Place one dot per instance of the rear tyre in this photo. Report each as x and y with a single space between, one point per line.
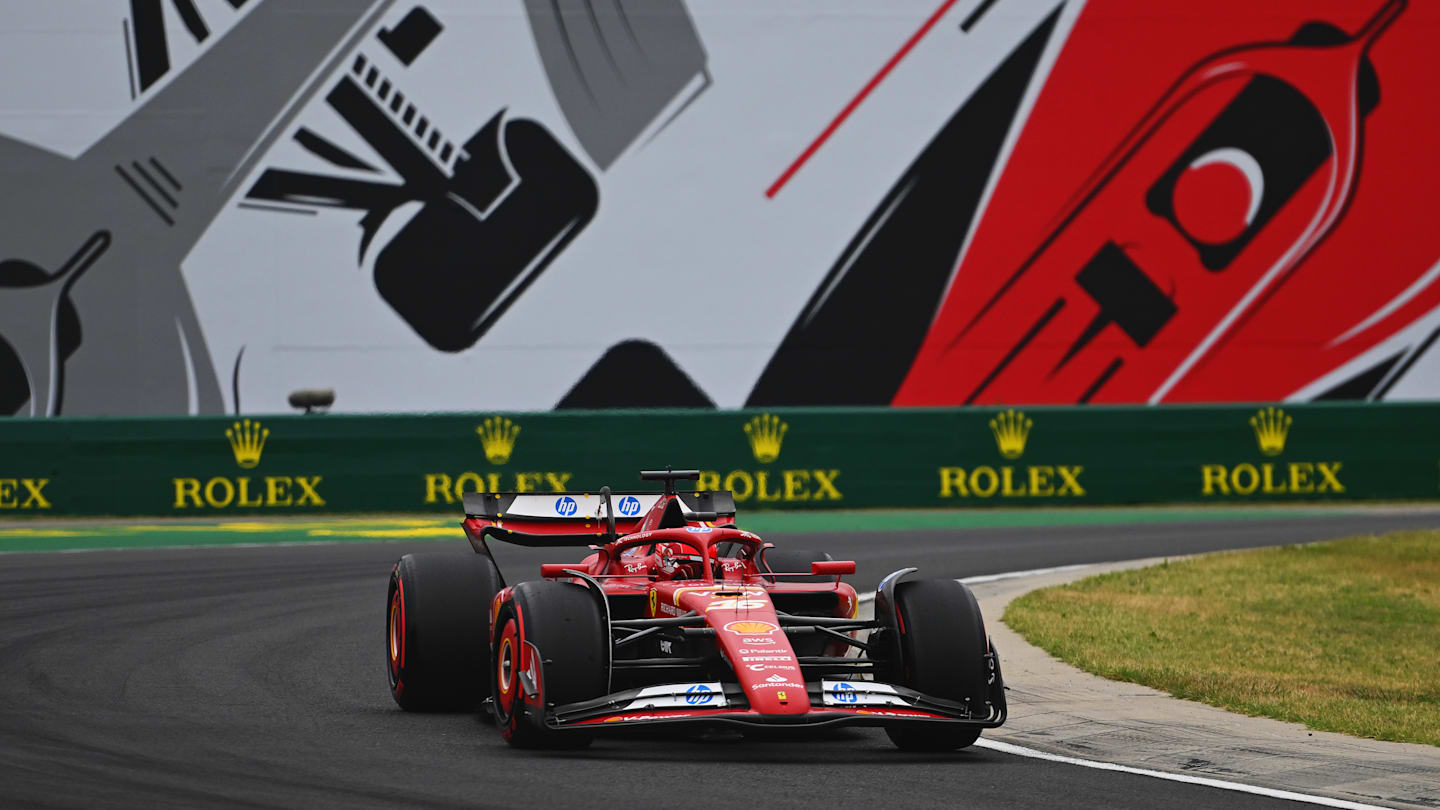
941 654
436 625
551 648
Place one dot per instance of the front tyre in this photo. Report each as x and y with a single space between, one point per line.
942 653
551 648
437 620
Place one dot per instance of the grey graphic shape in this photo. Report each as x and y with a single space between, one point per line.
155 183
615 65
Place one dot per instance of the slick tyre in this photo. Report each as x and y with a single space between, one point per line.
942 653
551 648
437 620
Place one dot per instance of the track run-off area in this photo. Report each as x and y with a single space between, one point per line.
164 664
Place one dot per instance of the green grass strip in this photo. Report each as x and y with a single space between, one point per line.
1341 636
87 535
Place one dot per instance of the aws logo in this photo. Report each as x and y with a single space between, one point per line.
1271 427
1011 429
766 436
498 438
247 440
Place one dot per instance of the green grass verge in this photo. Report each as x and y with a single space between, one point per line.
1341 636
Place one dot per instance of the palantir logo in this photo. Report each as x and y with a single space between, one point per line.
698 695
844 692
629 506
565 506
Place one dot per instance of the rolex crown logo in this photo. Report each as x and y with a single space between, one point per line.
1011 429
497 436
247 442
765 433
1271 426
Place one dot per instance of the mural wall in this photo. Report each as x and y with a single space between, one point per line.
552 204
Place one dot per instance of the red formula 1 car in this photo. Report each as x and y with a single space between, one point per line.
679 618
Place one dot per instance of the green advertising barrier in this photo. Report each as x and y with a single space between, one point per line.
785 458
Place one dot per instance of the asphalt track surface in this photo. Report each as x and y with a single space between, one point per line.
254 677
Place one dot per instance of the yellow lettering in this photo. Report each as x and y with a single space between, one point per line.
1247 488
35 498
7 493
309 492
187 489
708 482
825 488
527 482
1007 488
743 477
212 485
797 485
1212 479
1269 487
277 490
1040 485
477 484
952 482
245 491
494 479
1070 485
557 481
437 486
761 479
1300 472
987 491
1330 472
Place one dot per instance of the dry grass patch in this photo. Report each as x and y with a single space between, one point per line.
1341 636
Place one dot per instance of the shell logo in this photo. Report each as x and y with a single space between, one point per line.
751 628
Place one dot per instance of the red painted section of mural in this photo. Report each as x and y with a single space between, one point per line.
1201 204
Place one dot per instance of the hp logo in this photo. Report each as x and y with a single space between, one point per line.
565 506
845 693
629 506
698 695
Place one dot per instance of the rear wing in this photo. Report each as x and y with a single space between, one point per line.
577 518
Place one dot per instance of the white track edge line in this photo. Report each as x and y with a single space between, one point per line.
1033 572
1274 793
1017 750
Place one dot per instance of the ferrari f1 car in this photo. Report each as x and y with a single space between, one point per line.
678 617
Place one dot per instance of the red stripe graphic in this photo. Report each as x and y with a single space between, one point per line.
859 97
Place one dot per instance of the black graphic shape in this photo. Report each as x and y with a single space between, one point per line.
1126 297
47 342
495 212
327 151
453 270
152 48
870 314
413 35
1362 385
1405 365
152 54
976 15
1280 129
635 374
14 388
